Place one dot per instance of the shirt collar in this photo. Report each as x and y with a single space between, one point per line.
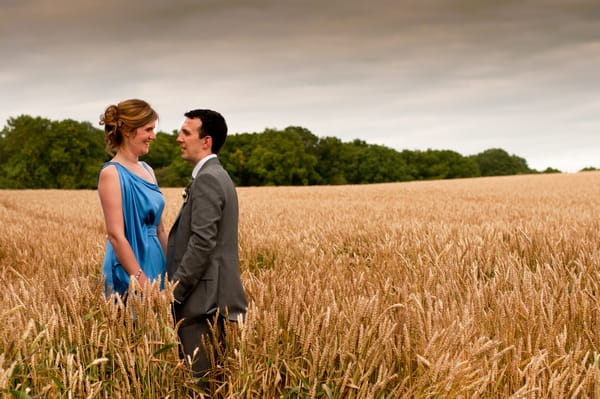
201 163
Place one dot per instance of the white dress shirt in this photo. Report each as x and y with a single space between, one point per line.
200 164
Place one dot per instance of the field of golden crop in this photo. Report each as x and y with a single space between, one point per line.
474 288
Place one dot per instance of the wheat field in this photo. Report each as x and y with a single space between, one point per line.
474 288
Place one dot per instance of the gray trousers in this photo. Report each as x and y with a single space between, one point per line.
199 344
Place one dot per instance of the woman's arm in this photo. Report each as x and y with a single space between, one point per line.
109 190
163 237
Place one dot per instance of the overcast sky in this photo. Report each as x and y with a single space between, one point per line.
463 75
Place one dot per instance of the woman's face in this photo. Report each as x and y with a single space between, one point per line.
139 140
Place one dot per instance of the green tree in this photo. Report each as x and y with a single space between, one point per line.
273 157
279 158
380 164
351 158
551 170
426 165
497 162
440 164
165 158
39 153
177 174
234 157
309 140
520 165
330 161
75 153
163 150
458 165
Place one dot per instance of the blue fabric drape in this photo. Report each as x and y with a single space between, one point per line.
142 204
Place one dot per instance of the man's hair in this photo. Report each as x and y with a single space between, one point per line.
213 125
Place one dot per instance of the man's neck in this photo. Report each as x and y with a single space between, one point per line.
201 163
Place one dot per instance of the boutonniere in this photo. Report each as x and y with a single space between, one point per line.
186 192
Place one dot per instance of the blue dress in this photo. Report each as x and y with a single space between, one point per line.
142 204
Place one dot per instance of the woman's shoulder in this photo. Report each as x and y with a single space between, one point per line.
109 170
108 180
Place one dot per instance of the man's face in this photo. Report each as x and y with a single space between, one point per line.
193 148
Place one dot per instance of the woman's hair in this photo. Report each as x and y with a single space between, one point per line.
126 116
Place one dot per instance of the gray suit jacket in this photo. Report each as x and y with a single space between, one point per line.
202 252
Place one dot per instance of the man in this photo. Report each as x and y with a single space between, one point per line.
202 252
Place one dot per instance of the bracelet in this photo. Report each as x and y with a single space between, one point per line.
138 274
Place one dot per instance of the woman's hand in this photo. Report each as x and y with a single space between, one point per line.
143 280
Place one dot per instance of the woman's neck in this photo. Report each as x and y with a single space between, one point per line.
126 157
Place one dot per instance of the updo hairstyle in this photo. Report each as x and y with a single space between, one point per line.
125 117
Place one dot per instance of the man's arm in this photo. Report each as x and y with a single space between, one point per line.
206 197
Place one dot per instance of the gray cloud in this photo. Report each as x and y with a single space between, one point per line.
464 75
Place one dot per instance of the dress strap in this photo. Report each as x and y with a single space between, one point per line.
147 167
144 164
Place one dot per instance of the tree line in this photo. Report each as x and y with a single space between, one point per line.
36 152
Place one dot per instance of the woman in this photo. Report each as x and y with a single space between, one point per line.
131 200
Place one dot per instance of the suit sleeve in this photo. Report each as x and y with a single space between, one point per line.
207 199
